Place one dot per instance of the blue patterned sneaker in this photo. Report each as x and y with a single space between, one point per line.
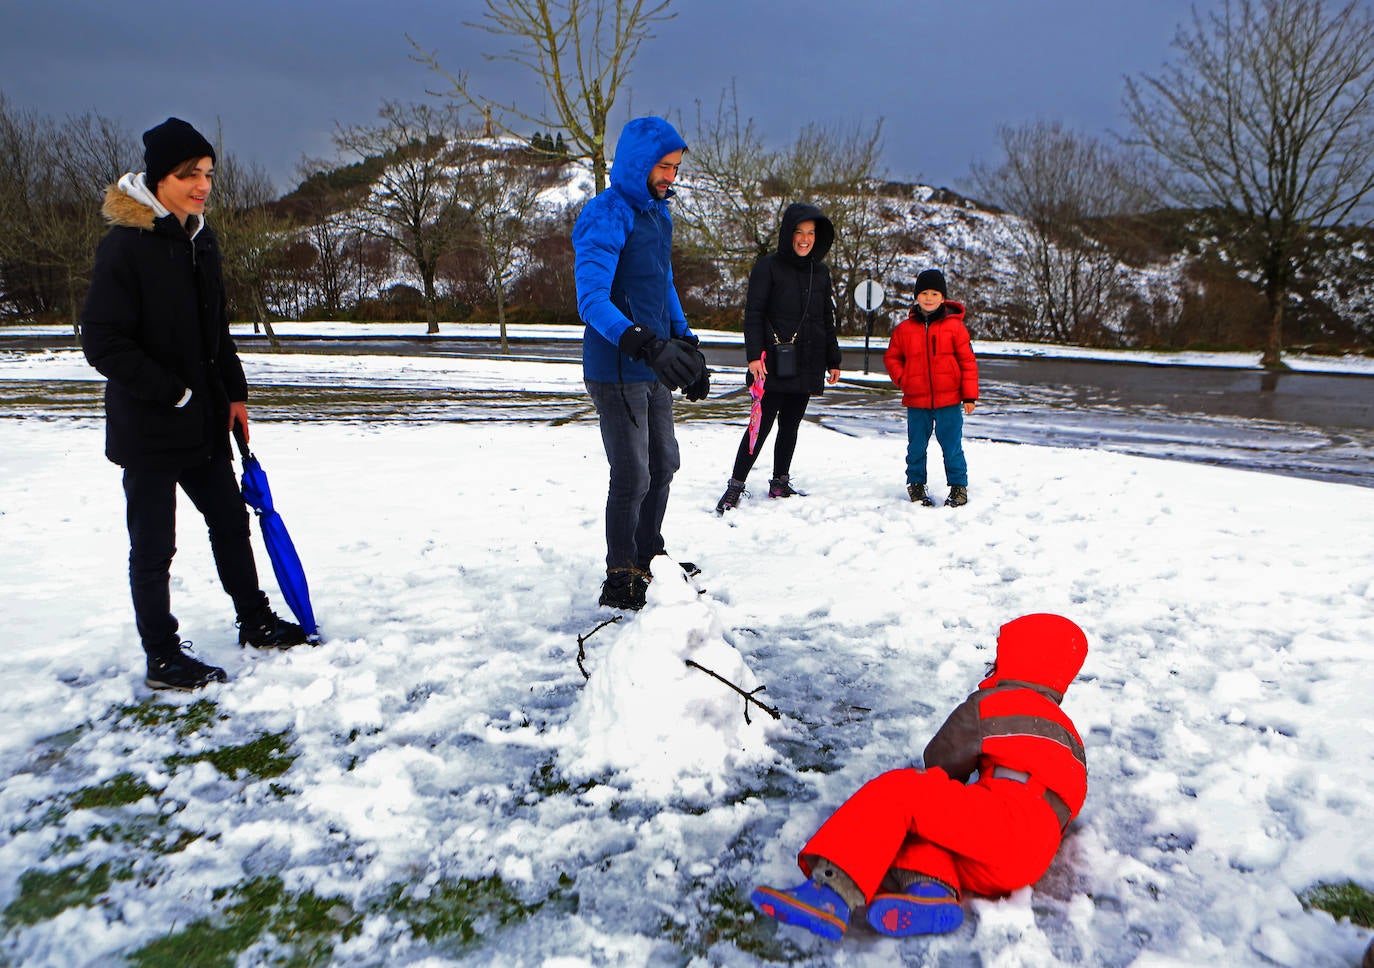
810 905
924 908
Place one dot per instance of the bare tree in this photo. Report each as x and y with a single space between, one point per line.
581 50
735 190
837 168
413 205
502 198
89 153
1060 183
1268 115
252 237
51 180
727 212
24 140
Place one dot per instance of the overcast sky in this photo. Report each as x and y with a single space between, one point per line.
276 76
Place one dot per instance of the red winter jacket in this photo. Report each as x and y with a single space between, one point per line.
1014 721
933 363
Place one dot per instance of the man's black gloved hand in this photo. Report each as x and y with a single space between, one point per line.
675 362
700 388
635 341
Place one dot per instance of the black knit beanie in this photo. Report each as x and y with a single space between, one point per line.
931 279
168 145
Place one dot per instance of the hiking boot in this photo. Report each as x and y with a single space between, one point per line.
782 487
958 496
181 670
810 905
917 493
264 629
923 908
624 588
730 499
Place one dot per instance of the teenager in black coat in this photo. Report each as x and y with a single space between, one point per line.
790 301
154 324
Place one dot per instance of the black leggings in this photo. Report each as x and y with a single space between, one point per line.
788 409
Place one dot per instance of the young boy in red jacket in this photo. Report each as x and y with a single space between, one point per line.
911 841
931 359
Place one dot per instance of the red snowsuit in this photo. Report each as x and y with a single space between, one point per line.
933 363
1000 832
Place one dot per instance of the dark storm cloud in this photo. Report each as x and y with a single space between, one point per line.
277 77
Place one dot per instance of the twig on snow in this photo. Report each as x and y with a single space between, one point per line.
582 642
749 697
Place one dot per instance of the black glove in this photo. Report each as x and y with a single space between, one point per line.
701 388
635 341
675 362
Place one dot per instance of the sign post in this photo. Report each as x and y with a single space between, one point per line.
868 296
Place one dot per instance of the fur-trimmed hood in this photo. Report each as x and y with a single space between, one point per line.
131 204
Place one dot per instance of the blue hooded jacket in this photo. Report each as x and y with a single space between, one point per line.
623 243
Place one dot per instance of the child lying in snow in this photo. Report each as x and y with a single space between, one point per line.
910 841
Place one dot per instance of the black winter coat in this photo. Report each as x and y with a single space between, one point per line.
155 325
791 298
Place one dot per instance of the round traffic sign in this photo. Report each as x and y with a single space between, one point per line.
868 295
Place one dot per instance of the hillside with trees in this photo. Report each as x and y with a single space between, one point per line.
424 218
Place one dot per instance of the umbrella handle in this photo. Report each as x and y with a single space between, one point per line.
243 444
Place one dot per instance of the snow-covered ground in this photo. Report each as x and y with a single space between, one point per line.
441 785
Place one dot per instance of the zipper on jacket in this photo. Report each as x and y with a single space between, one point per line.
930 365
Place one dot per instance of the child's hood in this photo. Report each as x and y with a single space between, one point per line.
1043 649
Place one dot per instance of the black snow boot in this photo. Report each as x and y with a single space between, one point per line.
178 669
624 588
958 496
264 629
918 495
730 499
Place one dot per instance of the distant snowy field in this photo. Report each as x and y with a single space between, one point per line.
443 737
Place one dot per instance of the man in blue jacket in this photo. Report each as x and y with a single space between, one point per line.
637 348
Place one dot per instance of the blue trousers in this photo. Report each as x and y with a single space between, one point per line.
642 451
948 424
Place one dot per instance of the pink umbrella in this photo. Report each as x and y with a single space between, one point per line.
756 412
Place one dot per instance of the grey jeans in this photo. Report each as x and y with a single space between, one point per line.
641 449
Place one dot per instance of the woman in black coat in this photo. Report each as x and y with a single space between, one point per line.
154 324
789 310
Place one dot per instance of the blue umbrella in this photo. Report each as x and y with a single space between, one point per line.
286 564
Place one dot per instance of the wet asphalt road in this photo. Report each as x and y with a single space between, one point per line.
1304 424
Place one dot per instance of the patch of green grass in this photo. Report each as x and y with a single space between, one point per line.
119 790
266 757
152 713
299 930
547 781
44 895
725 914
1345 900
463 910
151 833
